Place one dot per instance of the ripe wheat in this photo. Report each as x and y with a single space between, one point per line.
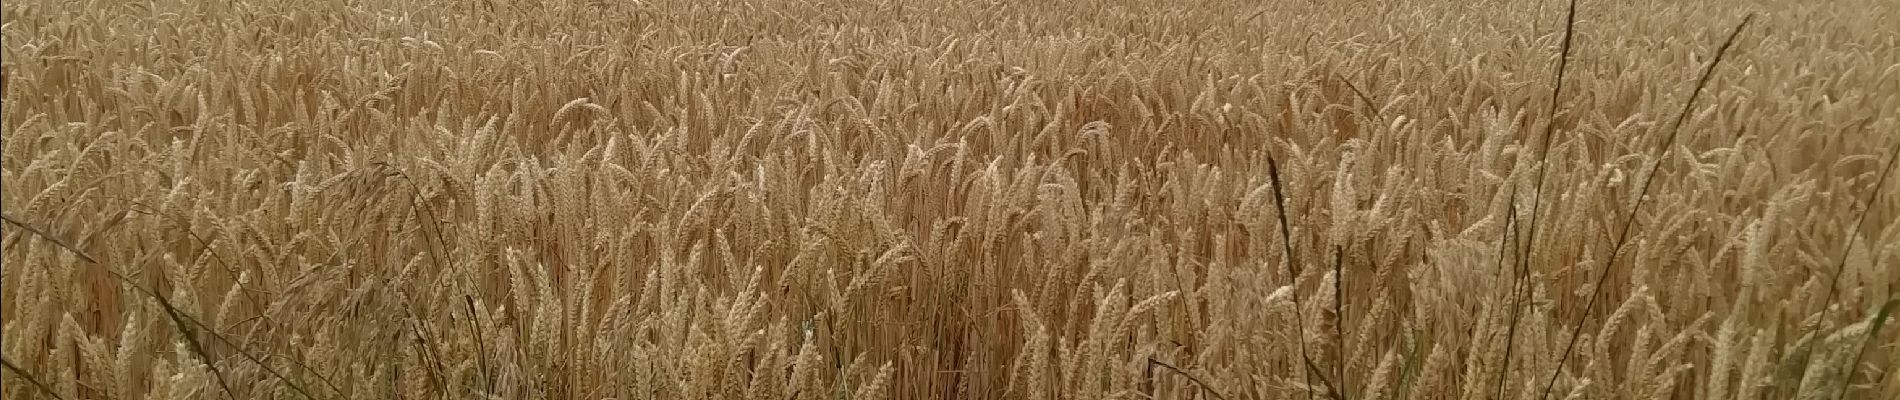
933 199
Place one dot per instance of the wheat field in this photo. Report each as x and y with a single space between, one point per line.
926 199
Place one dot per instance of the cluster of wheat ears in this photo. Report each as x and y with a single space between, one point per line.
865 199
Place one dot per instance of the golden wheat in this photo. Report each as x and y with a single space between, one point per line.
930 199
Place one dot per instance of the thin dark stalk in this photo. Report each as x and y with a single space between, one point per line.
205 249
1518 293
1204 386
427 350
481 354
1510 226
1370 106
1313 369
1522 262
1642 194
1293 275
1550 129
1339 321
432 230
30 379
431 226
189 334
1873 333
178 317
1840 263
197 348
